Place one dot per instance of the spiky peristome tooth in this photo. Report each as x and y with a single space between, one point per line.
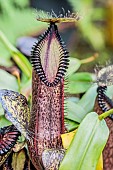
49 57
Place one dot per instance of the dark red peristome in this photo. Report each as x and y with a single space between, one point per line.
49 57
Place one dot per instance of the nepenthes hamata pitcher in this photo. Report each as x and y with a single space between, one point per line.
43 126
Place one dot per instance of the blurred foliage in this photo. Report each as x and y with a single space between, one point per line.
15 21
89 29
95 30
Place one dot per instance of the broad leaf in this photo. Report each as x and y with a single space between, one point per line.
7 81
66 141
79 82
4 122
87 145
82 76
71 125
88 99
74 111
75 87
73 65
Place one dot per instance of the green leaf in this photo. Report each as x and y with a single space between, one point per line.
22 62
73 65
73 99
82 76
79 82
22 3
7 81
71 125
88 100
4 57
78 87
74 112
87 145
4 122
109 91
17 56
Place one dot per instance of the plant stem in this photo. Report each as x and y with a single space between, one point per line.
90 59
105 114
18 57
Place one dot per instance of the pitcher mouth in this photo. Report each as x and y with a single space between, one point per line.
50 57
